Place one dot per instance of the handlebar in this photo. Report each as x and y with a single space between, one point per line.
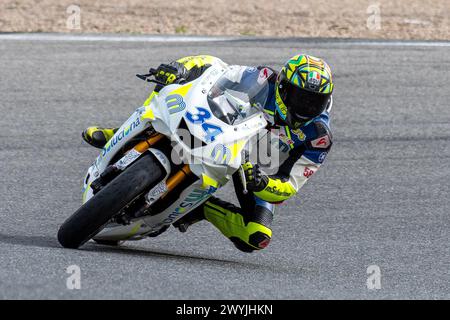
242 172
243 179
151 73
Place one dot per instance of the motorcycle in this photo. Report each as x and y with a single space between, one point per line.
168 158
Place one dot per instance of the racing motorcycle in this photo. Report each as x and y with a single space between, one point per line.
169 157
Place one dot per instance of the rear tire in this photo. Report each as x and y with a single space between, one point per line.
92 216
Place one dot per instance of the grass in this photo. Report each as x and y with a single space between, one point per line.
247 33
180 29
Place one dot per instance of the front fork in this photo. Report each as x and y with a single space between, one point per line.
161 191
172 180
130 156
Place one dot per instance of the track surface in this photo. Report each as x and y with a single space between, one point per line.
381 198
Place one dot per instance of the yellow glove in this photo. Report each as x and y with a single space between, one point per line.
256 181
167 73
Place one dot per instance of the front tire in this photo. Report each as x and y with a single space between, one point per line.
90 218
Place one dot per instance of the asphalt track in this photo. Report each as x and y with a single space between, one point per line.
382 197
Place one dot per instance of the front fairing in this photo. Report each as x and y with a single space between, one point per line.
183 113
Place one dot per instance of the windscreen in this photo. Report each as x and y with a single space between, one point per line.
238 94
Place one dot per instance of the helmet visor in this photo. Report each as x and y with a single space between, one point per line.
302 104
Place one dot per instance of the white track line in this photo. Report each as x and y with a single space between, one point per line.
107 38
405 43
158 38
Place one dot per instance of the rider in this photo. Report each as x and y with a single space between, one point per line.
298 106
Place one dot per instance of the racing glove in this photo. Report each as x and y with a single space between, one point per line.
256 181
167 73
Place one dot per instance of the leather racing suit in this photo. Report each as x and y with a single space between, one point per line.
301 152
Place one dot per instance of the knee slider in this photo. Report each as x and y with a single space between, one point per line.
242 245
256 241
259 240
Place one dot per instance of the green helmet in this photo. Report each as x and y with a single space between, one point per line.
303 90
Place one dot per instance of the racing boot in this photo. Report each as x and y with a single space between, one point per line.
198 214
98 137
192 217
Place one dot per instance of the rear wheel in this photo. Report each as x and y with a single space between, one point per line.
90 218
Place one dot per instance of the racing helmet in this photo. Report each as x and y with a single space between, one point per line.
303 90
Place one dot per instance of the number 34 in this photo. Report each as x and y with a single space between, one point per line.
200 118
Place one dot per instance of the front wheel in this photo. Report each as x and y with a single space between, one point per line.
92 216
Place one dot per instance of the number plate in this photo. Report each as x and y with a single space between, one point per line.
127 159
